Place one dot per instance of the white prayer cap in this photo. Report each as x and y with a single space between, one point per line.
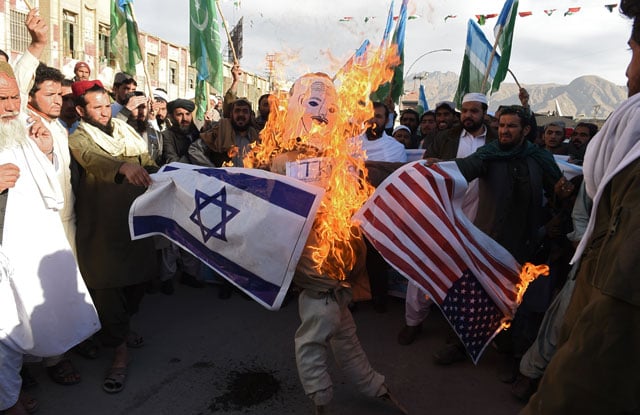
160 94
475 97
213 99
401 127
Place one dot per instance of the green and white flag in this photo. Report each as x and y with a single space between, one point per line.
124 36
474 64
503 32
206 51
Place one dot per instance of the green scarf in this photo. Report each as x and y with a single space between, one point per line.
492 151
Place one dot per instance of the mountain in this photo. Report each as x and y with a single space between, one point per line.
586 96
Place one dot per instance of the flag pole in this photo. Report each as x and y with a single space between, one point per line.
514 78
144 60
29 6
493 55
226 29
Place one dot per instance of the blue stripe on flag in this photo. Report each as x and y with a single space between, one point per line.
277 193
504 15
480 50
266 291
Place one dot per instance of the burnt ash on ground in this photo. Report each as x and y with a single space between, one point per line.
245 389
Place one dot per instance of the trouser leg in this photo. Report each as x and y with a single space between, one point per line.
417 306
319 317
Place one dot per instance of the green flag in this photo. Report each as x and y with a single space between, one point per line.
503 32
477 54
395 88
124 36
206 52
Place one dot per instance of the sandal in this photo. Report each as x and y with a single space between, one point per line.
28 402
114 381
64 373
134 340
87 349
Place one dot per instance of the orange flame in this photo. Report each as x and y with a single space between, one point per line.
528 273
347 188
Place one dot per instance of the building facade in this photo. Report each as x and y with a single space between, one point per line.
79 30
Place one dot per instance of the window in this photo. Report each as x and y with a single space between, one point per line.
71 40
20 38
192 77
104 46
173 72
152 66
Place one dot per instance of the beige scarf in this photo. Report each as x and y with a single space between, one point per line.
124 142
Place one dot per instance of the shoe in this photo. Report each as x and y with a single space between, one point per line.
114 381
191 281
389 398
166 287
450 354
63 373
408 334
524 387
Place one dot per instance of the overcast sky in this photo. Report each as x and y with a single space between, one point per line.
309 34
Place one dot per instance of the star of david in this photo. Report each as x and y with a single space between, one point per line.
227 212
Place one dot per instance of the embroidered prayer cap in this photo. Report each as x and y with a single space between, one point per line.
475 97
180 103
81 87
82 65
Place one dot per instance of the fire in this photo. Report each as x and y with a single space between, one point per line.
528 273
346 187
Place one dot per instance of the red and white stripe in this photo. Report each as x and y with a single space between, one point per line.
415 221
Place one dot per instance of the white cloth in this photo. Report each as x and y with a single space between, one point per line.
327 321
468 145
47 280
385 148
612 149
125 140
417 305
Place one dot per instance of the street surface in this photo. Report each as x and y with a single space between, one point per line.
203 355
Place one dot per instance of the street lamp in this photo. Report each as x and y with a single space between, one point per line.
423 55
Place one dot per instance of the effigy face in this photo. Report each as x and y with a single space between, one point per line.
312 107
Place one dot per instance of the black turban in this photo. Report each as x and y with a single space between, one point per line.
180 103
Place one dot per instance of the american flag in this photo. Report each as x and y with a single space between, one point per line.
415 220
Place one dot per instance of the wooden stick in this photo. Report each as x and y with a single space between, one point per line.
515 79
226 29
493 55
28 4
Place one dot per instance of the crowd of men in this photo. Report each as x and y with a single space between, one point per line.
74 156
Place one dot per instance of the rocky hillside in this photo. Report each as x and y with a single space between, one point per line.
587 96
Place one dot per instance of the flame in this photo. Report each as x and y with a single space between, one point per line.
347 188
528 273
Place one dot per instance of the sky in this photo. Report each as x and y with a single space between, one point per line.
307 35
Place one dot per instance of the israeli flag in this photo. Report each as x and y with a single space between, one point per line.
248 225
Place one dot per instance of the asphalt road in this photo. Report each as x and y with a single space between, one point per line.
203 355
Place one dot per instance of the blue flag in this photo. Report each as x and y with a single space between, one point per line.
423 105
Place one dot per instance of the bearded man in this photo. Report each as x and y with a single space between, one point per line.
45 305
114 170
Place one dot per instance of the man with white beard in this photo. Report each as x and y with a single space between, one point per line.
45 308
